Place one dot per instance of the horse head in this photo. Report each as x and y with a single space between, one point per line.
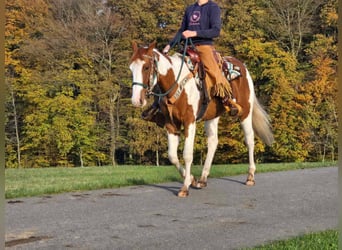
142 65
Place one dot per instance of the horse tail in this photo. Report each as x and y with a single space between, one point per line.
261 123
260 119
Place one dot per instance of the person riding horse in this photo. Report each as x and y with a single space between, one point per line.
202 23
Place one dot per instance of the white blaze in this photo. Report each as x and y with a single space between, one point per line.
136 68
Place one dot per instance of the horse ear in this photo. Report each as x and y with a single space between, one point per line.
134 46
152 46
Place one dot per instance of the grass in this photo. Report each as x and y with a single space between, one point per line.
326 240
34 182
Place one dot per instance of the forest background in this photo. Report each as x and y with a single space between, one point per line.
69 85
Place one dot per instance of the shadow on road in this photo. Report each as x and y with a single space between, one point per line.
232 180
173 190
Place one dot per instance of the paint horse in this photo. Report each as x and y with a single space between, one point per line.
181 104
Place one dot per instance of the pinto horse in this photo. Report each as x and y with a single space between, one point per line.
181 101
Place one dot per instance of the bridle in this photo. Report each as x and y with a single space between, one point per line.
154 75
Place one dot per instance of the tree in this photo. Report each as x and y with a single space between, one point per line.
98 29
320 93
276 75
291 21
241 20
18 30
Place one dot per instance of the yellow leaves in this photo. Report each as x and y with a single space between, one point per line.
63 134
304 98
267 55
329 13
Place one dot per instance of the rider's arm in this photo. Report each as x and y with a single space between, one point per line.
214 23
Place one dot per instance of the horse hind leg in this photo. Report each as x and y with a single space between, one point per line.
249 140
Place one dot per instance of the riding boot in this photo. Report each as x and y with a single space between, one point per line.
153 114
151 111
231 106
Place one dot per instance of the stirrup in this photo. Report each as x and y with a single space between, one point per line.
234 110
232 107
150 113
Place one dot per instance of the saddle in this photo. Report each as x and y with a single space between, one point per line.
230 70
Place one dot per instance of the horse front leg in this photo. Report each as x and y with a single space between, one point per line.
249 139
188 158
173 142
212 142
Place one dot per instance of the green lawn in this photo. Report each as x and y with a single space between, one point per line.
326 240
33 182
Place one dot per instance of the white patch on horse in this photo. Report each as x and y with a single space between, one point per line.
163 65
188 153
136 68
193 96
251 89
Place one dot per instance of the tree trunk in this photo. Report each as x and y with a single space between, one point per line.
112 131
157 157
16 128
81 158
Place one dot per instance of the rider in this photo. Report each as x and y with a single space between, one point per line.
202 23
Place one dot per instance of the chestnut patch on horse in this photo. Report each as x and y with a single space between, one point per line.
182 113
240 88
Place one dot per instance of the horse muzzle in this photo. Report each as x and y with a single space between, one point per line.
139 103
139 98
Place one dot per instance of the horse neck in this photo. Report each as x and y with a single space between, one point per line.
169 71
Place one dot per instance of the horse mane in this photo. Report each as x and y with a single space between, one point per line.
177 54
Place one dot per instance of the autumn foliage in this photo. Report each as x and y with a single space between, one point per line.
68 82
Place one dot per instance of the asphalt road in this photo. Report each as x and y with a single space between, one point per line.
225 215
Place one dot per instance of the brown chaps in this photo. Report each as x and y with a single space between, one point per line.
217 83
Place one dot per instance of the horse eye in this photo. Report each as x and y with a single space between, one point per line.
146 67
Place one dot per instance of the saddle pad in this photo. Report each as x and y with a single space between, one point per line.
231 71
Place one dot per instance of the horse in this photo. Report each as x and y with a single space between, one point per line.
181 101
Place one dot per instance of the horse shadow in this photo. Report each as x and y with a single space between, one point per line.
141 182
232 180
172 189
175 189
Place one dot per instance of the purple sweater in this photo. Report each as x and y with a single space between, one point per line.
205 19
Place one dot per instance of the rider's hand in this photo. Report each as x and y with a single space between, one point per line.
189 33
166 49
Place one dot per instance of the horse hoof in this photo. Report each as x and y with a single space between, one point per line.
194 183
184 192
250 183
250 180
202 184
198 184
